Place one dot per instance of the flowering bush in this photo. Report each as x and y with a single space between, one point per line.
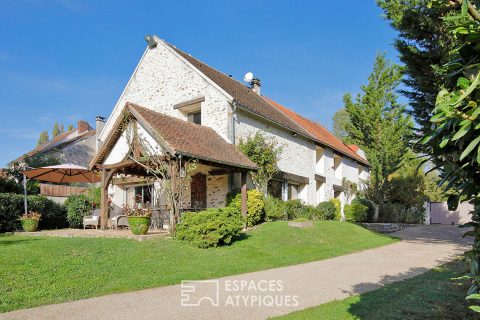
31 215
141 210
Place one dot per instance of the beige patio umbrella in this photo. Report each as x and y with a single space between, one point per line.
63 173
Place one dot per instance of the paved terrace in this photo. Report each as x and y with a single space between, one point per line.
95 233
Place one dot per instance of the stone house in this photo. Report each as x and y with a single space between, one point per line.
77 146
172 83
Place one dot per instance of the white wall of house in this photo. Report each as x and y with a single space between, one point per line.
162 80
297 156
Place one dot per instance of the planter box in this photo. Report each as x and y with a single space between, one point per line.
300 224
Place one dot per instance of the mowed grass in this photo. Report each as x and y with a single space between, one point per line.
432 295
42 270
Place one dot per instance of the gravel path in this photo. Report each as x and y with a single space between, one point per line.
259 295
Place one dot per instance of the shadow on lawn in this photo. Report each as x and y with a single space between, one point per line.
420 294
6 240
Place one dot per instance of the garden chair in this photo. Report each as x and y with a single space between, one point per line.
93 220
118 221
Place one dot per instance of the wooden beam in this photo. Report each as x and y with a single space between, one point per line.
106 178
244 194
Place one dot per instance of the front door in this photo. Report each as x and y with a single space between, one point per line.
199 191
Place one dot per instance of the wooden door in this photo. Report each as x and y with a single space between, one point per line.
199 191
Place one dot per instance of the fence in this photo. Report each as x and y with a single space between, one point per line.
438 213
55 190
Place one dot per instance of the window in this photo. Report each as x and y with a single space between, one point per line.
337 166
292 191
195 117
320 191
274 189
360 170
320 160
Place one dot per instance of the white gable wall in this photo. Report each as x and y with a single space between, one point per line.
162 80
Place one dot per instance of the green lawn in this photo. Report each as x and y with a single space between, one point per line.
43 270
432 295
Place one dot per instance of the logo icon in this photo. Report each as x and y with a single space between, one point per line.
193 293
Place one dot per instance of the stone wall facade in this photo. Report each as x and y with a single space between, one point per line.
163 80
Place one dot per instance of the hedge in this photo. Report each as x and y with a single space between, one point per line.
327 210
255 205
274 209
355 212
210 228
11 207
78 206
370 207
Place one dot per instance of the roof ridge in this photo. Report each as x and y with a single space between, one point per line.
206 64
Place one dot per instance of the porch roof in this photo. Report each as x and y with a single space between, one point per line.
179 137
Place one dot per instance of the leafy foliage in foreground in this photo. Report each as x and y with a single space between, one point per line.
454 143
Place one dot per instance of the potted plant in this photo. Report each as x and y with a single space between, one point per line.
30 221
138 217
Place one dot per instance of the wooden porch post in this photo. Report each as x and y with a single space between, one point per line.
244 194
106 177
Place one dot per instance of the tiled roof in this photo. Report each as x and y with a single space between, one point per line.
245 97
250 101
181 137
320 132
57 142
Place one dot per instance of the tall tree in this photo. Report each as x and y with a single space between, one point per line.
70 127
378 125
423 44
43 138
62 128
340 121
56 130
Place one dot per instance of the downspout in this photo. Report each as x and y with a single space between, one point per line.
231 176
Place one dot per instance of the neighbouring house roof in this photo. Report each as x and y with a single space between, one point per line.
179 137
58 142
248 100
321 133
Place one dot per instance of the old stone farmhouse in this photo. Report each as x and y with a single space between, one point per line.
169 83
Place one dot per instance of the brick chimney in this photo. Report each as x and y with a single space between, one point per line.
256 85
83 126
99 124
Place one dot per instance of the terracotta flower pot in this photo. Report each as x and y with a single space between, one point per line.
139 225
29 224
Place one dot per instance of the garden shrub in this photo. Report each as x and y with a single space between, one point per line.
210 228
255 205
327 210
369 204
355 212
78 206
396 213
338 205
294 209
274 209
11 207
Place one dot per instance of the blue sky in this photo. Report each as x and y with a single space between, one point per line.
65 60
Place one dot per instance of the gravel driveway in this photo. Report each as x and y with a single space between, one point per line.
258 295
